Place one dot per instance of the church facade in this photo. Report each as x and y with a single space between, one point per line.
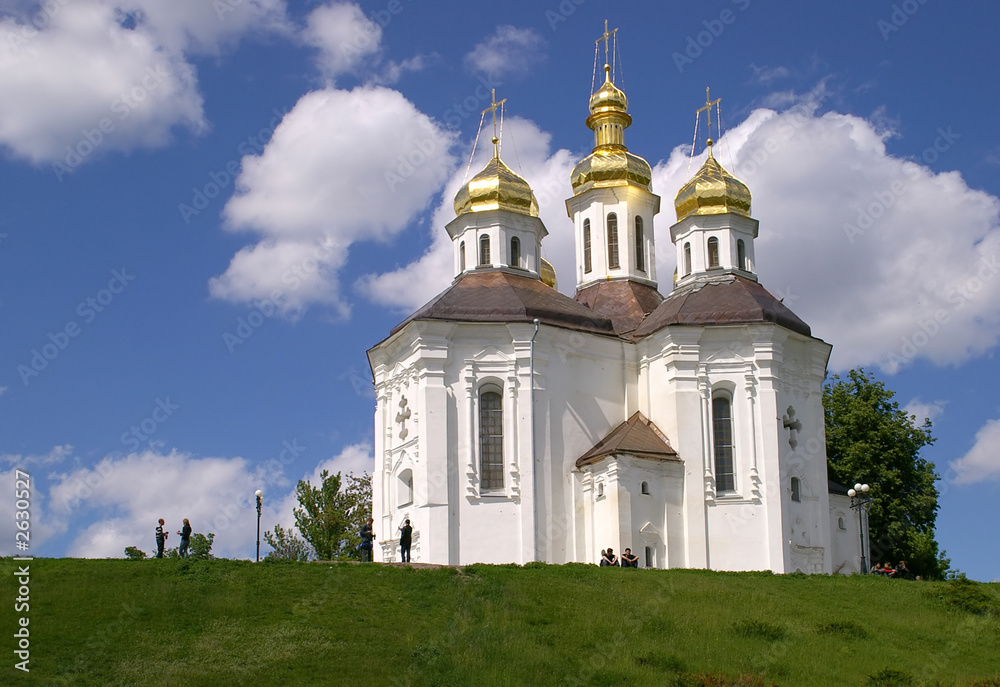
515 424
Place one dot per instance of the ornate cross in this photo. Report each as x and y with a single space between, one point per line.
402 416
793 426
708 111
605 37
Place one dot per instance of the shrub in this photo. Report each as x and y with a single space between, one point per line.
134 554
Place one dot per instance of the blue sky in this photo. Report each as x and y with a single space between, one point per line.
210 211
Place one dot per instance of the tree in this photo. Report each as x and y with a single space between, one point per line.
330 518
134 553
287 545
869 439
200 547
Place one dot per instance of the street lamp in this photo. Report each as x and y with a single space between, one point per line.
260 499
861 502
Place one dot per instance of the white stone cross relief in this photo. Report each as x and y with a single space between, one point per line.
402 416
793 426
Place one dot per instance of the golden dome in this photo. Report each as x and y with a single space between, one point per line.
548 274
497 187
610 164
611 167
712 191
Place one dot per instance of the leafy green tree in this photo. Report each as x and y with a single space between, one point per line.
287 545
330 518
869 439
200 547
134 553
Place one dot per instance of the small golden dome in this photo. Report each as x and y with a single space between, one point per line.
497 187
548 274
712 191
609 98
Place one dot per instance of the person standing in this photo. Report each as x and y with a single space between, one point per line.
161 539
185 533
367 537
405 537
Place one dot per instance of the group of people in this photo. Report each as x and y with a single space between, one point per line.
628 559
900 572
368 538
161 538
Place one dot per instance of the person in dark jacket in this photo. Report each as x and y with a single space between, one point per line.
405 537
367 537
185 533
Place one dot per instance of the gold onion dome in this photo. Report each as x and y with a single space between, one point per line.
548 274
497 187
712 191
610 164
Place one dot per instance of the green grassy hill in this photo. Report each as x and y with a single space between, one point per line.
175 622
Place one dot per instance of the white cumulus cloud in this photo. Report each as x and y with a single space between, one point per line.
343 166
982 462
922 410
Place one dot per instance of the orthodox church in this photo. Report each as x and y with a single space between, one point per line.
515 424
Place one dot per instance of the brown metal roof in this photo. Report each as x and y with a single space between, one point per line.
494 295
731 300
637 436
625 302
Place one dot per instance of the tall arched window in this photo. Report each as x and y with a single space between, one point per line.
713 252
722 428
613 241
796 489
484 250
461 256
741 254
586 246
687 259
640 246
515 252
490 439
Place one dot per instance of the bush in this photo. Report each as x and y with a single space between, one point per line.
134 554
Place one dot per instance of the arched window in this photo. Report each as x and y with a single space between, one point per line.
484 250
613 263
645 488
640 246
461 256
741 254
404 491
713 252
490 439
600 490
722 428
586 246
515 252
796 489
687 259
650 563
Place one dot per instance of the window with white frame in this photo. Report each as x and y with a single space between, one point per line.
613 262
404 488
490 438
722 435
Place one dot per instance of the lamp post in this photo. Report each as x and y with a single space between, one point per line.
861 502
260 499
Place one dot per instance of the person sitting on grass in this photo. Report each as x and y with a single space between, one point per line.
609 558
902 572
629 559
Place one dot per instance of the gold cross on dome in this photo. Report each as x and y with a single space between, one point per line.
708 111
493 108
605 37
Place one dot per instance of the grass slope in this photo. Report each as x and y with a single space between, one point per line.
175 622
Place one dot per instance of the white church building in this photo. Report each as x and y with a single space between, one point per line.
515 424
